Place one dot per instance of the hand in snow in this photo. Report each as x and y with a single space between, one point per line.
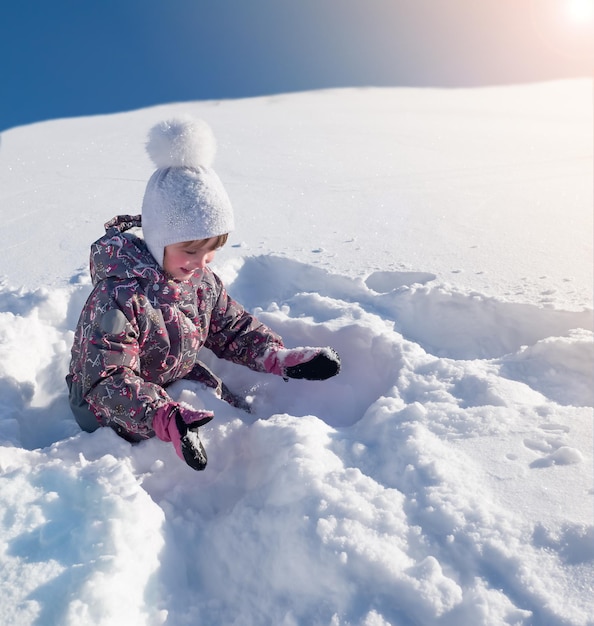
180 425
308 363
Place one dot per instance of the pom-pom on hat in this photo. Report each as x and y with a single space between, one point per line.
184 199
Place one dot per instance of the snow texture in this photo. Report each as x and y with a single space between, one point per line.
441 242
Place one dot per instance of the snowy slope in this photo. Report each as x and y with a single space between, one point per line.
441 241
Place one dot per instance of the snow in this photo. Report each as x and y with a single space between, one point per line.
441 242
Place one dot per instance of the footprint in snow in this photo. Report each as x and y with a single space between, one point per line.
552 448
384 282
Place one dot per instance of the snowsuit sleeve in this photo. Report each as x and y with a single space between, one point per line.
236 335
110 366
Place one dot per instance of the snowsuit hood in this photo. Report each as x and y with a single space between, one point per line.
122 253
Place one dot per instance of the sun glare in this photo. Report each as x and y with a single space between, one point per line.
580 11
567 28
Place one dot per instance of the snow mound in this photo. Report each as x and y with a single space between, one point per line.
443 478
357 500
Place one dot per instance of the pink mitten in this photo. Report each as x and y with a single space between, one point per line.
179 425
308 363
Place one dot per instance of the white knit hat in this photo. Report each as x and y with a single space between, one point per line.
184 199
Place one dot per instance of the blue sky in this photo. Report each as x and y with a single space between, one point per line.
65 58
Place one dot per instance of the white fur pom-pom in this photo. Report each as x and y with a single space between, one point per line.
182 142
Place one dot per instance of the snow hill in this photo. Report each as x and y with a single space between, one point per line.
441 241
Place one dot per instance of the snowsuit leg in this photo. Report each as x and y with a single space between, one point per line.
85 417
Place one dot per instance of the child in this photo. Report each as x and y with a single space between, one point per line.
155 303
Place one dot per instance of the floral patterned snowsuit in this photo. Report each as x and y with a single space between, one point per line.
140 330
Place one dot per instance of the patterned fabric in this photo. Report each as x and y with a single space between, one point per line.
141 330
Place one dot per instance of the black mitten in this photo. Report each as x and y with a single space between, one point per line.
325 364
191 447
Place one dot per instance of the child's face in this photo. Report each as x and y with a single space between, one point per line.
188 258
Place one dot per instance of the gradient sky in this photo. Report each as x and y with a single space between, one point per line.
64 58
